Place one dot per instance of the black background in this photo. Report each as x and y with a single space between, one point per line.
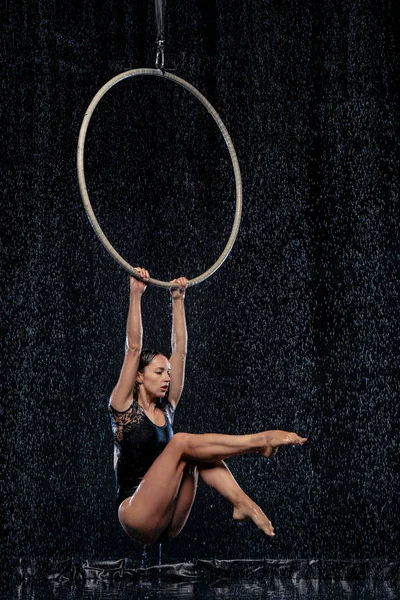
298 329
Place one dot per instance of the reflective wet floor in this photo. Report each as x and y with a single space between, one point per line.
243 590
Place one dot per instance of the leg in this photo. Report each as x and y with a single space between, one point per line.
147 513
184 503
211 447
219 477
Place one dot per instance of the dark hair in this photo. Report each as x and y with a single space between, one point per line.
146 356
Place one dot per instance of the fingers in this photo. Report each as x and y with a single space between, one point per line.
144 274
138 286
179 292
181 281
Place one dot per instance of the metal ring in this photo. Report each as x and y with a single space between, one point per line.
82 183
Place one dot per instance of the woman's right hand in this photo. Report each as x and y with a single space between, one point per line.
139 285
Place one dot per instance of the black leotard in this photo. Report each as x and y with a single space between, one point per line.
137 442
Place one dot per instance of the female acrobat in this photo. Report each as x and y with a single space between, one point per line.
157 471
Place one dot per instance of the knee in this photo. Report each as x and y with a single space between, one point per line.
180 441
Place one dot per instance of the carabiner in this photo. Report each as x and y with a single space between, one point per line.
160 54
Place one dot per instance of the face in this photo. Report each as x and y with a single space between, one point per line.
156 377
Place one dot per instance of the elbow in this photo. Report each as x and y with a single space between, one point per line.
133 346
181 354
180 351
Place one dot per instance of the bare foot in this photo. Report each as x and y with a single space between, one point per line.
249 511
276 438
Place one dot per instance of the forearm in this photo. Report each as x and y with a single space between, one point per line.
179 330
134 330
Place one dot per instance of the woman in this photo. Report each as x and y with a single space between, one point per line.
157 471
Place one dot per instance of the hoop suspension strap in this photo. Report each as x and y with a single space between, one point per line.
160 14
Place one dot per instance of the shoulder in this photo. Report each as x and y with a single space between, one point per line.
114 411
131 415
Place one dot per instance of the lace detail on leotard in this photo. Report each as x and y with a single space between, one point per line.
122 422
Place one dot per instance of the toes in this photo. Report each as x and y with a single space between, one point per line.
296 439
269 530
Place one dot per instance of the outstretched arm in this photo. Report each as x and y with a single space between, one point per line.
122 394
178 341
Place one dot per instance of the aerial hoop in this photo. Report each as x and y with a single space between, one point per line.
82 182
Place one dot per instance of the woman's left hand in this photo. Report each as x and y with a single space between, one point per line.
179 292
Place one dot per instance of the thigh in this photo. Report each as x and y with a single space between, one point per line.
184 503
148 512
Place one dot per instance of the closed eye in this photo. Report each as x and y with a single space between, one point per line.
161 371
